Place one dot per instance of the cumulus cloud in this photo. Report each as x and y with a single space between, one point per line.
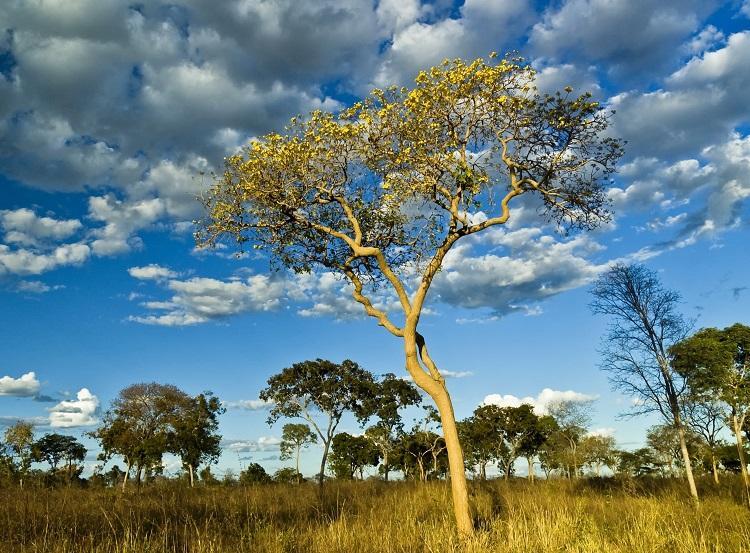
199 300
541 402
632 38
26 385
25 228
264 443
249 404
77 412
523 267
151 272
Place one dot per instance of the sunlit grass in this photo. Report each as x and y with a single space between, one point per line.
586 516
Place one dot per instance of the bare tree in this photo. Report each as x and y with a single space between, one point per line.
644 324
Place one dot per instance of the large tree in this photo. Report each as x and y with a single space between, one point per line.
571 418
320 386
644 323
382 191
137 426
53 448
717 363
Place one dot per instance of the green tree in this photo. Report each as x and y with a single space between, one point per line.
640 462
19 438
286 475
194 431
254 474
137 426
717 363
294 438
351 455
542 427
54 448
572 419
329 388
340 191
644 323
598 452
389 395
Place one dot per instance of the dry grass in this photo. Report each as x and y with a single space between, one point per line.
371 517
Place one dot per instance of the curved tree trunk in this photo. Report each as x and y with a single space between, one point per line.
456 465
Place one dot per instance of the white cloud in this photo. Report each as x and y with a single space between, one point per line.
25 228
121 220
36 287
199 300
264 443
77 412
151 272
541 402
29 262
533 266
249 404
632 37
26 385
604 432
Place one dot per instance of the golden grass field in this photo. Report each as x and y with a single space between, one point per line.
373 517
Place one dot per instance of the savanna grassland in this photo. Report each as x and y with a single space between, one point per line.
589 515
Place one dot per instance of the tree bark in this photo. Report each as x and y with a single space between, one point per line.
192 479
714 468
321 474
456 465
531 469
125 477
297 465
686 459
386 468
737 427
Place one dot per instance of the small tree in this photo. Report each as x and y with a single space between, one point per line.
254 474
194 431
717 363
572 418
381 192
294 438
598 452
351 454
644 324
389 396
19 438
324 386
704 417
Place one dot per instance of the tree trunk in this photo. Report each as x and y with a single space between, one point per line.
507 469
386 468
737 427
483 471
434 385
125 477
686 459
531 469
455 462
192 479
297 465
321 474
714 468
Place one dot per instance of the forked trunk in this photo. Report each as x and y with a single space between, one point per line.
737 427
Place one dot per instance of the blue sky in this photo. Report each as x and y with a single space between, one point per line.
110 112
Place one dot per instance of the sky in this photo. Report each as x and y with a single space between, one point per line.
114 114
